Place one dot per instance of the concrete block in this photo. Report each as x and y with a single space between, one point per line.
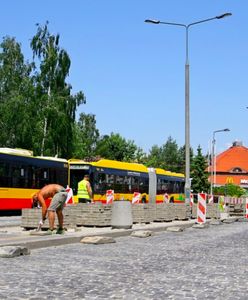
97 240
175 229
141 233
229 220
215 222
13 251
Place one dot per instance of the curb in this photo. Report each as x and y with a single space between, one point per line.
37 242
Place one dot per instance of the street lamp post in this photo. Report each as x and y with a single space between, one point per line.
187 110
213 160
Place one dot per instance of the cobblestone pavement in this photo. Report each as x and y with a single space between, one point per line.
208 263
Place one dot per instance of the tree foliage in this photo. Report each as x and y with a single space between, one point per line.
86 136
169 156
231 190
56 105
115 147
199 181
16 96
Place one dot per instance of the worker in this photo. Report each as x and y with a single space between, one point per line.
58 194
84 192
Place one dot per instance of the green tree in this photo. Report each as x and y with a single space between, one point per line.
117 148
231 190
154 158
181 159
199 176
16 97
170 155
57 106
86 136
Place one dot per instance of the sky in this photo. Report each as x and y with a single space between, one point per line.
133 73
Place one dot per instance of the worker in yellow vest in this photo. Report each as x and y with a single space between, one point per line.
84 192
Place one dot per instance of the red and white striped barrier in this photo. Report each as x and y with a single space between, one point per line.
110 196
246 208
201 208
136 197
166 198
210 199
191 200
233 200
69 199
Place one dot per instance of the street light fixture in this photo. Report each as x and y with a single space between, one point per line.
213 160
187 111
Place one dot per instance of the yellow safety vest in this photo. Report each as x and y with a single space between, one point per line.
82 189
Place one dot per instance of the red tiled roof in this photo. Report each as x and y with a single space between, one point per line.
234 157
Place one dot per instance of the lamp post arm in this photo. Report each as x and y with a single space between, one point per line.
201 21
172 23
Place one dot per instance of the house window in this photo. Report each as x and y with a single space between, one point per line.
237 170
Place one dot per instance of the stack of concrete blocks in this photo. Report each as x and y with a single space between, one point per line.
237 209
164 212
93 214
143 212
31 217
181 211
194 211
69 218
212 211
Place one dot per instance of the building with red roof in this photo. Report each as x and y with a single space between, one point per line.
232 166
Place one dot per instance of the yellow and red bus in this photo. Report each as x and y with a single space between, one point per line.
22 174
125 179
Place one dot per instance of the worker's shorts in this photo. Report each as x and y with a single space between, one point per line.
58 201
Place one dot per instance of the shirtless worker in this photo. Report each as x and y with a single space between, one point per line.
58 194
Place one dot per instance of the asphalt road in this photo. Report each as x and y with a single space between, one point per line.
208 263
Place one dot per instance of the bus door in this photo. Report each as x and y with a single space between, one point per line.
77 173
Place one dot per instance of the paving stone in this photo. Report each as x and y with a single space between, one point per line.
13 251
229 220
141 233
175 229
97 240
215 222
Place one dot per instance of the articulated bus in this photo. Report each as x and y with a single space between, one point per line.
22 174
125 179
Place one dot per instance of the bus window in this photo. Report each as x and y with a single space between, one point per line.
100 183
127 184
119 184
4 175
135 184
144 185
110 181
16 177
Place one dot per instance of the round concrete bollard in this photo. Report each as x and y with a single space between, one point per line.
122 214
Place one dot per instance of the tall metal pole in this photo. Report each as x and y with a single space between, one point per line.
212 164
187 188
213 160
